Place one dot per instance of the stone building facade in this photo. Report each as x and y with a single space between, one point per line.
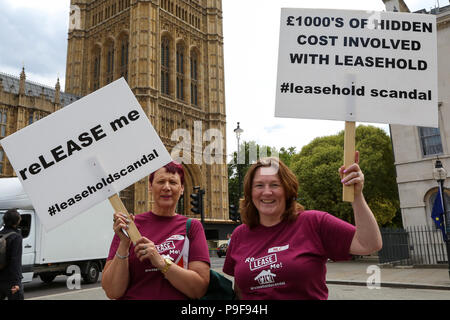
171 54
416 149
23 102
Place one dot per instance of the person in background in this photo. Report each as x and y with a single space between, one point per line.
280 251
164 264
11 275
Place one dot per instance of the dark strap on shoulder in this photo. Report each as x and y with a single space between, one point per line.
188 226
6 235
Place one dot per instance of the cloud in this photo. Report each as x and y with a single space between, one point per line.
35 39
415 5
48 6
275 127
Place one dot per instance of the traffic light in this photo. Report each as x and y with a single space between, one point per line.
196 203
233 212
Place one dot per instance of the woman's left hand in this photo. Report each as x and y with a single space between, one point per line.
354 175
146 249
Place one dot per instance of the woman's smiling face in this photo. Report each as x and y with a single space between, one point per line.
268 194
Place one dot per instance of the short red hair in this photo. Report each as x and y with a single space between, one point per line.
171 167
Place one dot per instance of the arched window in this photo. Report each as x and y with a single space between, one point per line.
2 161
180 206
127 197
180 72
165 66
194 78
109 77
96 69
30 117
3 122
124 58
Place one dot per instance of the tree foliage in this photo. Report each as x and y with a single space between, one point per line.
317 165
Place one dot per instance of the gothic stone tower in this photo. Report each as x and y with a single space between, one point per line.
171 54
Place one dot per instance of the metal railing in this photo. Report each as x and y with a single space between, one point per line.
417 245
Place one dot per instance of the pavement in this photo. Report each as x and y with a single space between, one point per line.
360 272
354 273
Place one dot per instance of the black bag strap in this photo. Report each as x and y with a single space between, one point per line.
6 235
188 226
219 288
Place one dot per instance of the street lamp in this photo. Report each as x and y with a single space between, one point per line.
238 131
440 174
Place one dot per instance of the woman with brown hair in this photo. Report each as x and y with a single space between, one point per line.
280 251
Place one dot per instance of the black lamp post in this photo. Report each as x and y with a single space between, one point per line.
440 174
238 131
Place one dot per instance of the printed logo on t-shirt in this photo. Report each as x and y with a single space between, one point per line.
278 249
265 278
262 262
164 256
167 256
176 237
168 245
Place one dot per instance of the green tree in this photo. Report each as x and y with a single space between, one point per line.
317 165
286 155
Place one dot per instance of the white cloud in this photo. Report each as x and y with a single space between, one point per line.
34 35
49 6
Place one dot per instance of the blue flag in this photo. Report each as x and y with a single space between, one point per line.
437 214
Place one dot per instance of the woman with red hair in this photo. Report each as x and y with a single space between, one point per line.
165 264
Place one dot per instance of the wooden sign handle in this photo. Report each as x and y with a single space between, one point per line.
348 192
118 206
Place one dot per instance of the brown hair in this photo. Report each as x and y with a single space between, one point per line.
249 213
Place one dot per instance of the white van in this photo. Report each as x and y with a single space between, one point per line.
83 241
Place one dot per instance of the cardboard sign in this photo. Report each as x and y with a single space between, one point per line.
358 66
84 153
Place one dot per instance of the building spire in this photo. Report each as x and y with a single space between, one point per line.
57 92
22 82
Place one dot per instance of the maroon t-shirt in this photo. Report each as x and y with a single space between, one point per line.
168 234
288 261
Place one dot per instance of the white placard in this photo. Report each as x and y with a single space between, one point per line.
361 66
84 153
